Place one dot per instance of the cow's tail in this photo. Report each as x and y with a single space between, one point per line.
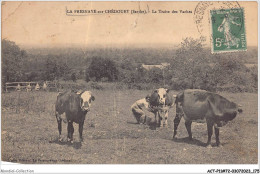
178 98
173 103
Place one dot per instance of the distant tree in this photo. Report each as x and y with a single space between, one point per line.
128 71
190 65
229 70
155 75
50 68
73 77
128 64
12 61
193 68
33 76
64 70
55 69
87 77
102 68
81 74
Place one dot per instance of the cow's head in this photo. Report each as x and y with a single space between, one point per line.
160 95
86 98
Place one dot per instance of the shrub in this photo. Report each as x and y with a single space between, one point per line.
96 85
102 68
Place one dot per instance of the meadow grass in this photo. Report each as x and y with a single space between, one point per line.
29 133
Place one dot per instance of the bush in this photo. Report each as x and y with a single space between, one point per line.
12 62
95 85
73 77
191 66
102 68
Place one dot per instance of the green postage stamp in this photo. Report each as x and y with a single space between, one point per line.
228 30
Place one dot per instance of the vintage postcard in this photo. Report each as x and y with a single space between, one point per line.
129 83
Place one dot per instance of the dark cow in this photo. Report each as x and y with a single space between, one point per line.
75 106
161 101
199 104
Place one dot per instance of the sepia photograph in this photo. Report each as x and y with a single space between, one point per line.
129 82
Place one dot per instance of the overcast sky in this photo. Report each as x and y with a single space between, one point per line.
45 24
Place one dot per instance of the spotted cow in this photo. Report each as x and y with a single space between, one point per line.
75 106
161 101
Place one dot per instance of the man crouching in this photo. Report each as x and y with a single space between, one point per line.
140 109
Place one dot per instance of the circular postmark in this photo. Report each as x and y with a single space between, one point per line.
201 12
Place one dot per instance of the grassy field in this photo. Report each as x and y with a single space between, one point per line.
29 133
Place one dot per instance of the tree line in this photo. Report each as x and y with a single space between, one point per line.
191 65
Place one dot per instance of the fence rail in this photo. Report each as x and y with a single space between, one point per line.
29 86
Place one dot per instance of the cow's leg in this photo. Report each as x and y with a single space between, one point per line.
210 131
188 127
161 120
59 128
177 119
166 117
157 118
80 131
217 135
70 131
59 125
